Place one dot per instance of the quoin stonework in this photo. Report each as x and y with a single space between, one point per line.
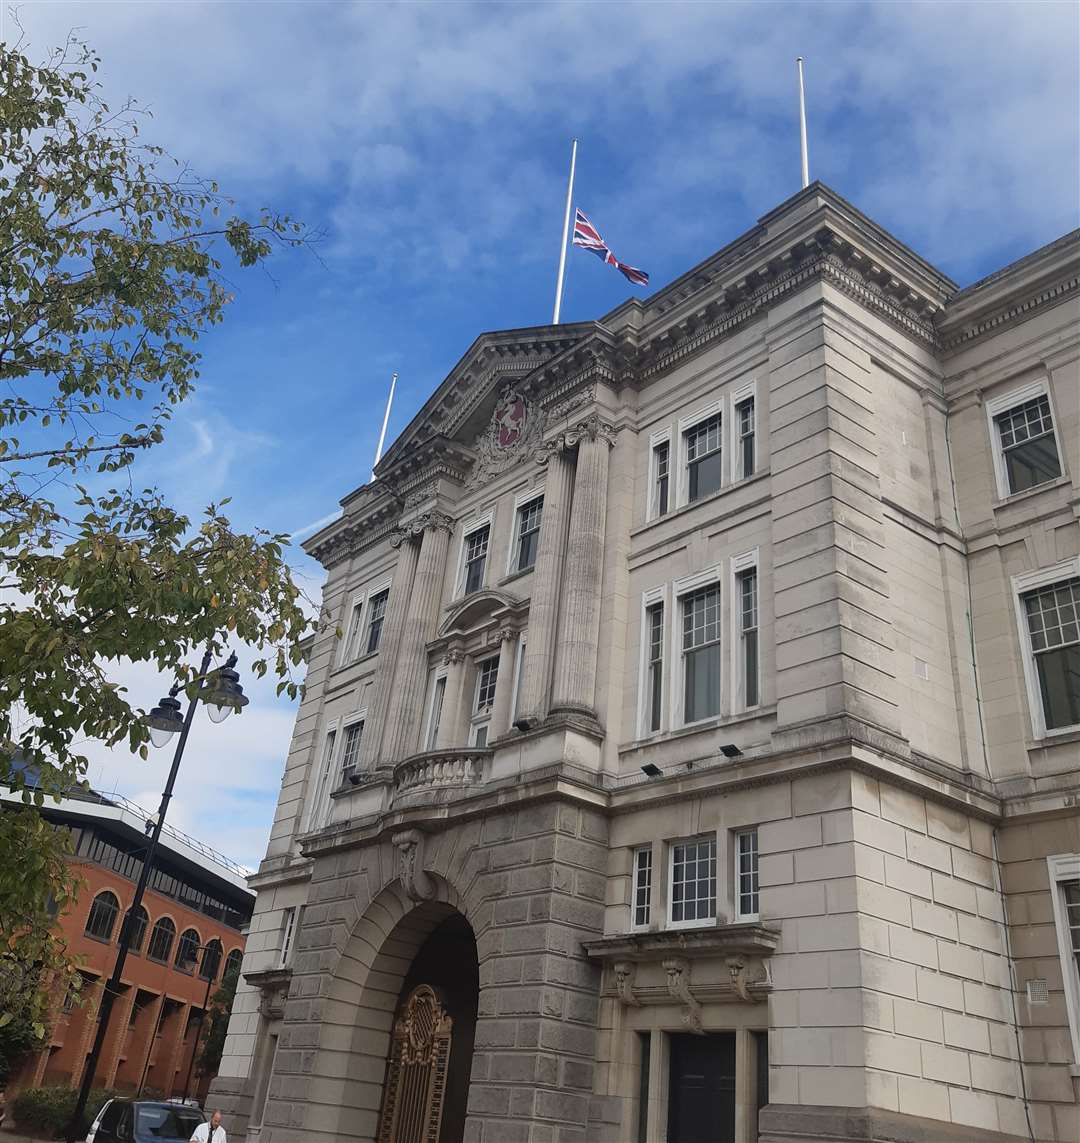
699 755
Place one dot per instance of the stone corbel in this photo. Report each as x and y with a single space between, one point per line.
623 974
737 968
453 655
678 983
417 884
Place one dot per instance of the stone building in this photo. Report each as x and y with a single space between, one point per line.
699 756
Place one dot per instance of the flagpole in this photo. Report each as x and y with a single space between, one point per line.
385 422
565 234
802 126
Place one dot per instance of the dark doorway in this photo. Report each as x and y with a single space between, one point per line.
447 965
701 1095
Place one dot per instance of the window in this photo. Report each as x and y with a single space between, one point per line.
744 438
693 881
519 670
487 675
746 602
137 929
701 654
1029 451
187 951
746 874
661 482
351 650
642 903
288 928
211 960
1065 890
161 940
438 695
350 756
232 965
476 550
1052 617
102 917
528 533
322 783
654 666
703 458
376 614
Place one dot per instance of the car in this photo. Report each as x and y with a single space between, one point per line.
145 1121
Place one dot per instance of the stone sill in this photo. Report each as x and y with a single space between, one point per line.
516 575
748 938
1028 493
1052 738
725 722
712 498
269 977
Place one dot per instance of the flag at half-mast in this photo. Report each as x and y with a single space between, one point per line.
588 238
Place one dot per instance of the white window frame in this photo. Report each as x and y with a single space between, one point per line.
478 719
474 525
697 922
685 425
288 935
431 733
649 599
1002 404
346 725
1066 867
737 836
748 561
522 501
1021 584
324 766
519 671
635 855
376 589
743 393
677 698
354 607
652 512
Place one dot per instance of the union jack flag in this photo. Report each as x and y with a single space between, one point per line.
588 238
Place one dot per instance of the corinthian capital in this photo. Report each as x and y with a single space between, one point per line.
432 520
592 428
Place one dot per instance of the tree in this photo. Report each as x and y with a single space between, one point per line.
216 1022
111 269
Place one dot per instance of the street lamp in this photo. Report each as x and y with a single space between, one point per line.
220 690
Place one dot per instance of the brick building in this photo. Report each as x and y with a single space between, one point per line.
700 757
195 911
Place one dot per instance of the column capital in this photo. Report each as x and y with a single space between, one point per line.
507 634
416 527
592 428
453 655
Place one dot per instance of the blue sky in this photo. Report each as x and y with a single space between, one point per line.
431 143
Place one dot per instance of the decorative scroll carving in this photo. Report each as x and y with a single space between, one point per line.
623 973
417 1071
567 405
515 429
678 982
416 883
453 655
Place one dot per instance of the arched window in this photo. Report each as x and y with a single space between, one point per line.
187 950
211 960
102 918
161 940
232 964
138 925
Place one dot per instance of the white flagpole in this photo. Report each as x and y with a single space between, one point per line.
565 234
802 127
385 422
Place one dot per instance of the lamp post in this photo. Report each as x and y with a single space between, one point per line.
202 1018
220 690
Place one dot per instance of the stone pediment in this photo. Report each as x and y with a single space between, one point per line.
479 610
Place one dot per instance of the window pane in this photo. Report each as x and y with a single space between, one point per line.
487 674
529 516
161 940
1059 684
704 476
661 463
748 634
436 712
376 614
642 887
654 622
1053 619
702 683
745 413
102 916
351 754
746 872
693 880
352 639
476 547
703 457
187 950
1027 440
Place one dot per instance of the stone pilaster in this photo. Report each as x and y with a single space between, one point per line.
118 1035
407 694
547 579
450 722
579 629
152 1022
504 684
176 1050
393 626
92 1003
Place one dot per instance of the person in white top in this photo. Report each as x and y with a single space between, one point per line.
211 1132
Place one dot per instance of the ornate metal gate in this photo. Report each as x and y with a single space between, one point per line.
416 1074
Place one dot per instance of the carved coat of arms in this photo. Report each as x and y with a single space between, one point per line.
514 428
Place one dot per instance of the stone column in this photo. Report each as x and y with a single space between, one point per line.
450 723
393 625
547 578
504 683
407 694
575 665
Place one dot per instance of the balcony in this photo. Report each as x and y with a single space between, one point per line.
453 770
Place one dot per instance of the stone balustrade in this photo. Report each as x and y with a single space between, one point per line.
442 769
